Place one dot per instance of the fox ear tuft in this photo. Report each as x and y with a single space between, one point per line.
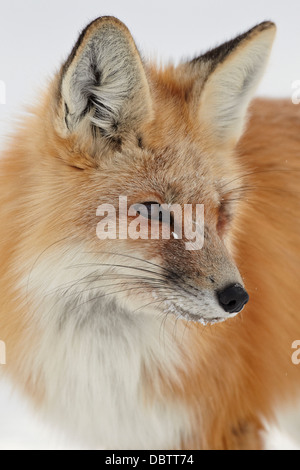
233 72
103 83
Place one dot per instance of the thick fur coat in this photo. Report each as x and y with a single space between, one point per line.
123 342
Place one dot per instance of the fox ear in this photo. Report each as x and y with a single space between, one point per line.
103 86
232 73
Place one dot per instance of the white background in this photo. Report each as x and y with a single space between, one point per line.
37 35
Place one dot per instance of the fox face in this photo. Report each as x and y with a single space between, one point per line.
114 126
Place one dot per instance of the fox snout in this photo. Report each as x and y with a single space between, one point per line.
208 278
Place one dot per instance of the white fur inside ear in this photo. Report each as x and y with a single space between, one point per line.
102 82
230 88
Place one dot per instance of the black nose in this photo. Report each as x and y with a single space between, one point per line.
233 298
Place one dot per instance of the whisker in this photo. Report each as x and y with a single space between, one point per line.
111 293
172 273
163 276
89 289
102 277
136 258
82 265
155 301
37 260
257 172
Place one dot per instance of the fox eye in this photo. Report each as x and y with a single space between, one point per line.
150 210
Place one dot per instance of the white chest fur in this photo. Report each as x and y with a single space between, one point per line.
92 356
93 371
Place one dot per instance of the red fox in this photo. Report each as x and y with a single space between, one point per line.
140 343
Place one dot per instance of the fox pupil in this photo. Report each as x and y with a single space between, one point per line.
154 211
151 210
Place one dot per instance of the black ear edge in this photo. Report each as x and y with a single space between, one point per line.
92 27
218 54
132 113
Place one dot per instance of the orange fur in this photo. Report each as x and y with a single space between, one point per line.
235 373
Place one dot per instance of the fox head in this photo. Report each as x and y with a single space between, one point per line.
112 125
